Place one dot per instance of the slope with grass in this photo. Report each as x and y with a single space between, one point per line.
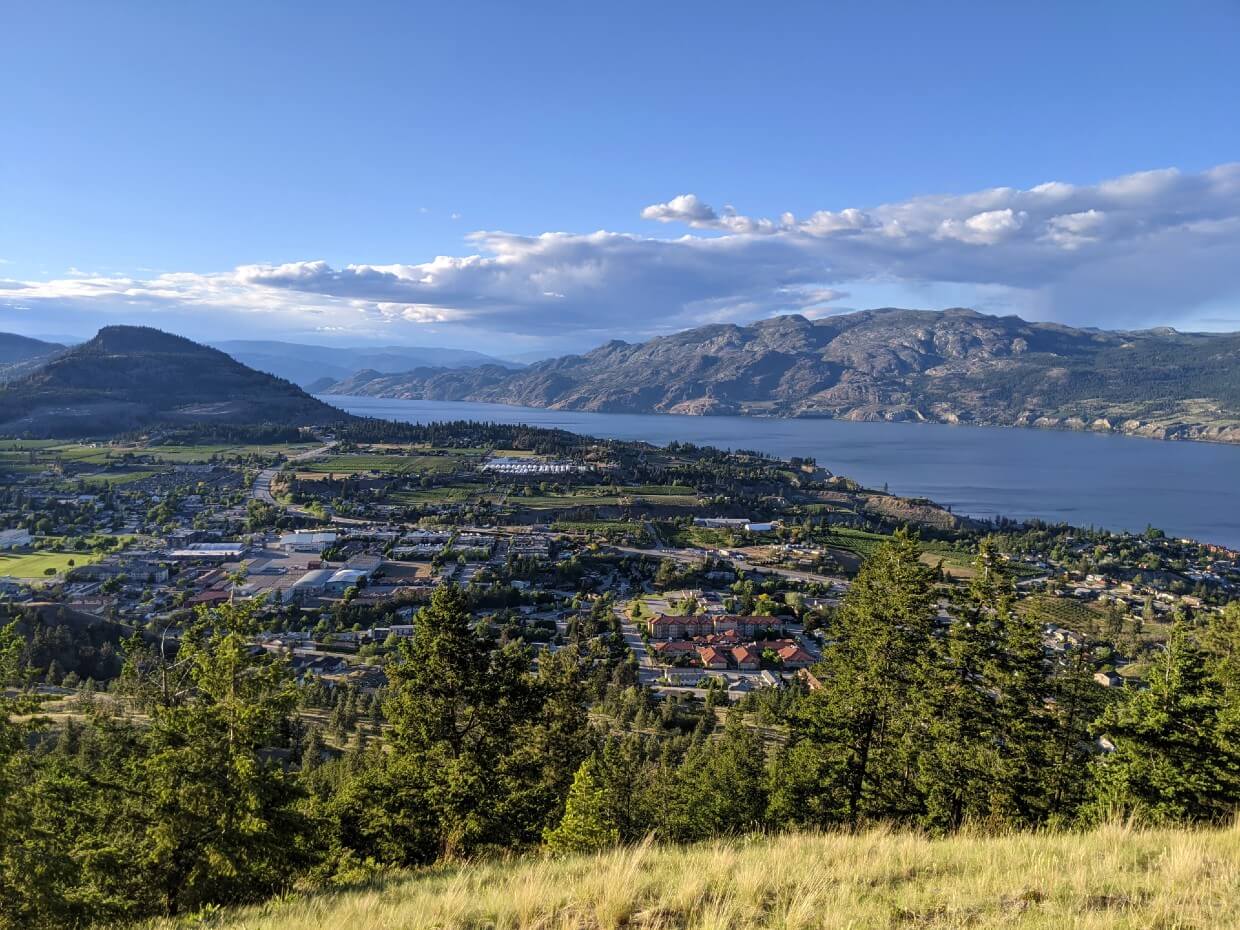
1111 878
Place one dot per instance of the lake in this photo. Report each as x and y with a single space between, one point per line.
1088 479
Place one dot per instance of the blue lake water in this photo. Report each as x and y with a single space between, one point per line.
1118 482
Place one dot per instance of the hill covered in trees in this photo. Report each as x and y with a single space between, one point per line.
954 366
135 377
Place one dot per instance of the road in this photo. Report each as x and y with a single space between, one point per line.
647 671
261 490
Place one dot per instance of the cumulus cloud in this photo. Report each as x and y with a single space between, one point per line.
685 208
1129 251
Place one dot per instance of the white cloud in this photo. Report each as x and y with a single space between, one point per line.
685 208
1146 248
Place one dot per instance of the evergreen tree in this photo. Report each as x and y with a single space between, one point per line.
853 741
1172 760
221 823
587 825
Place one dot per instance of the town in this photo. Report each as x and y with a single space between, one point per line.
719 571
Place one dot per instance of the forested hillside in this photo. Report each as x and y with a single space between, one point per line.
135 377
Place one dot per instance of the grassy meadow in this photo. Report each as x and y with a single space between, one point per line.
1115 877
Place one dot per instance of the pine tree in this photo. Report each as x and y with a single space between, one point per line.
587 825
853 741
1172 759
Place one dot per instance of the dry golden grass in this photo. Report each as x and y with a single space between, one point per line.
1111 878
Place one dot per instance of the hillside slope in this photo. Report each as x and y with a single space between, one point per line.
306 364
1112 878
953 366
133 377
15 348
20 355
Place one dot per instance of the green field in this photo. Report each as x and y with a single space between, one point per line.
109 479
36 564
35 455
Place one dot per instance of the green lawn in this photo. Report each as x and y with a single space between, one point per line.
35 564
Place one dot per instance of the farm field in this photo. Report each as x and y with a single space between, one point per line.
452 494
1062 611
109 479
361 463
35 455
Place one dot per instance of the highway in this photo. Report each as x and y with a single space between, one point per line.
261 490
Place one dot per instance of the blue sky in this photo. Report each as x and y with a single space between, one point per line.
293 170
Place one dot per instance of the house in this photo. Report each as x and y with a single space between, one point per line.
1108 679
746 657
711 657
793 656
666 626
309 664
682 677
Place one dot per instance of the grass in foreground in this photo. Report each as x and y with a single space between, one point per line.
1111 878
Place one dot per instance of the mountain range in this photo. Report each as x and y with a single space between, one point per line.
315 366
951 366
135 377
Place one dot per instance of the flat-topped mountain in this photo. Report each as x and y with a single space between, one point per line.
136 377
951 366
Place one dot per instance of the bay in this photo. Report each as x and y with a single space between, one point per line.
1088 479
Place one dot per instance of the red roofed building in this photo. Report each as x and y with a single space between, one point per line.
746 657
793 656
665 626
